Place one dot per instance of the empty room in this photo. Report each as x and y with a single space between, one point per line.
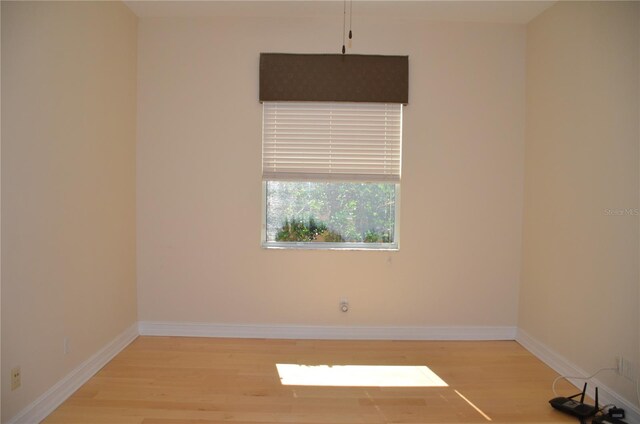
320 212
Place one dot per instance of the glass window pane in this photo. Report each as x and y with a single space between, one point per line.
330 212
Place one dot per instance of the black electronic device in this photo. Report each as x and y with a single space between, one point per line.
606 419
615 412
575 408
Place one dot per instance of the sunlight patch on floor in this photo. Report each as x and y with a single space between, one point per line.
359 375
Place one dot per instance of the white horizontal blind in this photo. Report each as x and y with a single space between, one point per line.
332 141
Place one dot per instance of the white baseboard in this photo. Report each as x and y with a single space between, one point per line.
39 409
564 367
190 329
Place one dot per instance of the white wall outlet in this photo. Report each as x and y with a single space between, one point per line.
66 346
16 378
344 304
626 368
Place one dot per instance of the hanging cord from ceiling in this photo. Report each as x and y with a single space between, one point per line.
344 23
344 17
350 20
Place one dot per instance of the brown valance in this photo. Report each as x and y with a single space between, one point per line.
334 77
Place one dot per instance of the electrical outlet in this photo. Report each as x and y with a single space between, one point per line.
66 346
16 378
626 368
619 364
344 304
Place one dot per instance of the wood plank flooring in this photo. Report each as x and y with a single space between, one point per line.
181 380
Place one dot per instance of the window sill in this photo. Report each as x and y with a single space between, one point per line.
376 247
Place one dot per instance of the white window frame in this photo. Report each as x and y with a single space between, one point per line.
394 246
377 175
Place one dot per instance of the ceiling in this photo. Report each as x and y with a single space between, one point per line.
505 11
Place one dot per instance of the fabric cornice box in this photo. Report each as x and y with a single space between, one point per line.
334 78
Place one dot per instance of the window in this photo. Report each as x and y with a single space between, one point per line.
331 174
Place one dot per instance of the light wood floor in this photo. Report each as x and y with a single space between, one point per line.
175 380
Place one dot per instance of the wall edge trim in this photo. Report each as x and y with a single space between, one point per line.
192 329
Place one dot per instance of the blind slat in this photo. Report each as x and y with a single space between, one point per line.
332 141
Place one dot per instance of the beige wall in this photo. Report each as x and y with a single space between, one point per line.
579 293
199 179
68 187
1 374
0 230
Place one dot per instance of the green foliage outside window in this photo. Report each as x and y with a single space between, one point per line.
299 230
330 212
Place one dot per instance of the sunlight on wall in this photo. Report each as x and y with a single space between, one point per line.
358 375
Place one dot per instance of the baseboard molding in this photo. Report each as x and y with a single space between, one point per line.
564 367
39 409
190 329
